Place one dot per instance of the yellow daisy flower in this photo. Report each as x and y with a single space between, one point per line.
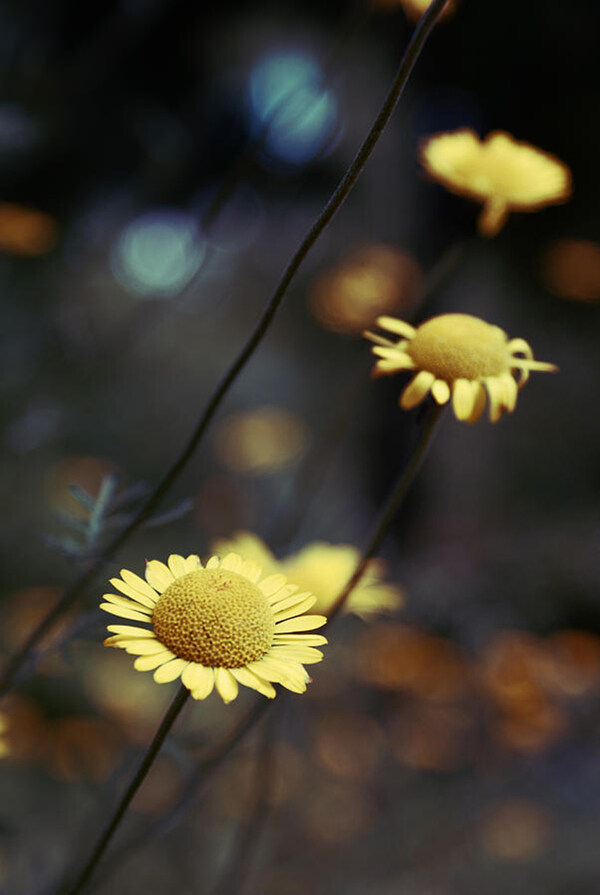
216 626
456 356
324 569
503 173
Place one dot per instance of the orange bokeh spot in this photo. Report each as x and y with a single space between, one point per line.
262 441
571 268
431 737
515 830
372 280
348 744
402 658
26 231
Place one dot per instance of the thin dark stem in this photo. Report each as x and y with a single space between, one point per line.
334 203
72 888
432 416
195 781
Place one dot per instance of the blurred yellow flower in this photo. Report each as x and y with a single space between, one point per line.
324 569
216 626
503 173
414 9
456 356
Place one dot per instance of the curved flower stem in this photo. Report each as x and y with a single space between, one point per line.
197 778
431 417
420 35
111 827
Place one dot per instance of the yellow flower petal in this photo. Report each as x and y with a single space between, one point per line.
139 647
149 663
301 623
213 563
127 604
398 327
123 612
417 389
158 575
251 570
193 562
232 562
199 679
282 594
299 639
478 404
130 631
272 584
305 655
463 398
226 684
495 391
282 672
177 565
170 671
139 586
441 391
520 346
295 609
248 679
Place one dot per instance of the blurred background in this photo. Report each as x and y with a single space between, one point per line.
160 161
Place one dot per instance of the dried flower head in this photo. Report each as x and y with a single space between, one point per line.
324 569
503 173
216 626
458 356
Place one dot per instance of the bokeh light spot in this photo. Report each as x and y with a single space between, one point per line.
261 441
370 281
157 254
571 268
286 94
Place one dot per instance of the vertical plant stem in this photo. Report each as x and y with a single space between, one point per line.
336 200
111 827
431 417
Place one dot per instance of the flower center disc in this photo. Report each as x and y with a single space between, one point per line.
214 617
458 346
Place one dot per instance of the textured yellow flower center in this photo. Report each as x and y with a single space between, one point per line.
458 346
214 617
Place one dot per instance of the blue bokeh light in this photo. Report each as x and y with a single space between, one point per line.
158 253
285 92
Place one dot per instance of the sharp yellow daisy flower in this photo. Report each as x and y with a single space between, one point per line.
503 173
456 356
216 626
324 569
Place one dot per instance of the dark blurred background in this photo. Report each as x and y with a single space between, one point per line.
159 163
